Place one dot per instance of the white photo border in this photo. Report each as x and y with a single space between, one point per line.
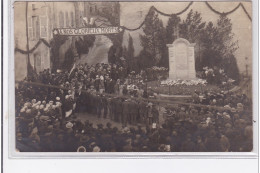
9 108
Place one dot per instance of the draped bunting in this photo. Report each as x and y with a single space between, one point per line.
160 12
141 25
34 47
222 13
185 9
179 13
231 11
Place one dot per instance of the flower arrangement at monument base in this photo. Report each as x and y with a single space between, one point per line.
171 82
155 73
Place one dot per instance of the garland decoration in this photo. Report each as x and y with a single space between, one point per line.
34 47
222 13
179 13
185 9
243 7
229 12
160 12
141 25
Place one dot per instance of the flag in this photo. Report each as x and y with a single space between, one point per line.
72 69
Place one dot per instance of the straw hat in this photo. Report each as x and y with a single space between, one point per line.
233 110
96 149
81 149
69 125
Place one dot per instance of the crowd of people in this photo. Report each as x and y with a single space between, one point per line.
46 117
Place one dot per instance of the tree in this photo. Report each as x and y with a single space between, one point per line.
192 27
227 46
55 44
130 53
218 47
209 55
153 40
171 34
112 54
172 27
144 60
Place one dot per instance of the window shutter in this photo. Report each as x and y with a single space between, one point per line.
72 18
37 28
61 19
30 29
38 61
33 28
43 26
67 20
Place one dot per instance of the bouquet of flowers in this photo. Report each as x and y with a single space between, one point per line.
171 82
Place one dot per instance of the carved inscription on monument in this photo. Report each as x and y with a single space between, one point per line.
181 60
181 55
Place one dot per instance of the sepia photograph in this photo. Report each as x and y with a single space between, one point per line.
133 76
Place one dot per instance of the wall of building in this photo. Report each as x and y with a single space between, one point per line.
38 27
42 18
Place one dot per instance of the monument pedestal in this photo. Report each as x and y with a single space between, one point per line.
181 60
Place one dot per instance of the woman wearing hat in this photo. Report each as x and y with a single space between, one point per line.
116 88
101 85
97 83
149 113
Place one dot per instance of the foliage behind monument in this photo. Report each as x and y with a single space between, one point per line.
214 43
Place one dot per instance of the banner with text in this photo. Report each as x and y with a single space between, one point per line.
86 31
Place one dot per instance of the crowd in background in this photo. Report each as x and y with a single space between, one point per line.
46 117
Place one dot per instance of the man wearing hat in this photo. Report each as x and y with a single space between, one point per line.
99 105
240 109
118 110
102 85
155 113
149 113
97 83
142 110
126 112
182 113
133 108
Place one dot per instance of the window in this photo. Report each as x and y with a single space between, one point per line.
38 60
43 26
35 27
33 7
72 18
30 29
67 19
61 19
90 9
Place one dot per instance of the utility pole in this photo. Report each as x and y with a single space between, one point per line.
27 39
246 67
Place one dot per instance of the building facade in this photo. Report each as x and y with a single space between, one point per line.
42 18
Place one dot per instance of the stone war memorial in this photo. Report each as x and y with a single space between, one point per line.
181 60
